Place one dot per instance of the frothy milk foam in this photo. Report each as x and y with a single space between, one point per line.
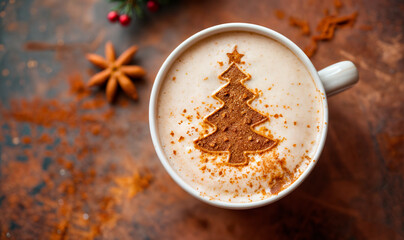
287 95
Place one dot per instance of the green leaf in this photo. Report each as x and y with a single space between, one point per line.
139 11
127 9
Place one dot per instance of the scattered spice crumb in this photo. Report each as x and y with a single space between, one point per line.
326 26
302 24
61 185
26 140
279 14
366 27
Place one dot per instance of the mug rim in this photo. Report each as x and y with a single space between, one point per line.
228 27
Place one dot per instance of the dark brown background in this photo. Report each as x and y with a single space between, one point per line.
355 192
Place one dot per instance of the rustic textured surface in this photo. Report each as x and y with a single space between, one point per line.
73 167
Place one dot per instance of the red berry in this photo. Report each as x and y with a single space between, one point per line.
113 16
124 20
152 6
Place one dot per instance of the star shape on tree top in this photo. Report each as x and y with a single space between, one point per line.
235 56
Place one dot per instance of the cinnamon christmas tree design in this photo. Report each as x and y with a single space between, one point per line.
235 120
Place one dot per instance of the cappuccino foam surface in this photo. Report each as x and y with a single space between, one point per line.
287 95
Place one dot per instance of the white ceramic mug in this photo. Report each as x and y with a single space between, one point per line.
329 81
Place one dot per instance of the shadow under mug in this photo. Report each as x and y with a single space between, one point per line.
329 81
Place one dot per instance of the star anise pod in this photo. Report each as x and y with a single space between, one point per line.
115 71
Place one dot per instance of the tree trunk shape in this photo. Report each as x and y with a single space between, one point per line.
234 121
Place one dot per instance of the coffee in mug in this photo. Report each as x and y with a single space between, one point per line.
239 117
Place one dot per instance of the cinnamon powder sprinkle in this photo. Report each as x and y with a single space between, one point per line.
26 140
240 134
326 27
279 14
302 24
366 27
337 4
66 194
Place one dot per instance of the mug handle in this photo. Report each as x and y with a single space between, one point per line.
338 77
